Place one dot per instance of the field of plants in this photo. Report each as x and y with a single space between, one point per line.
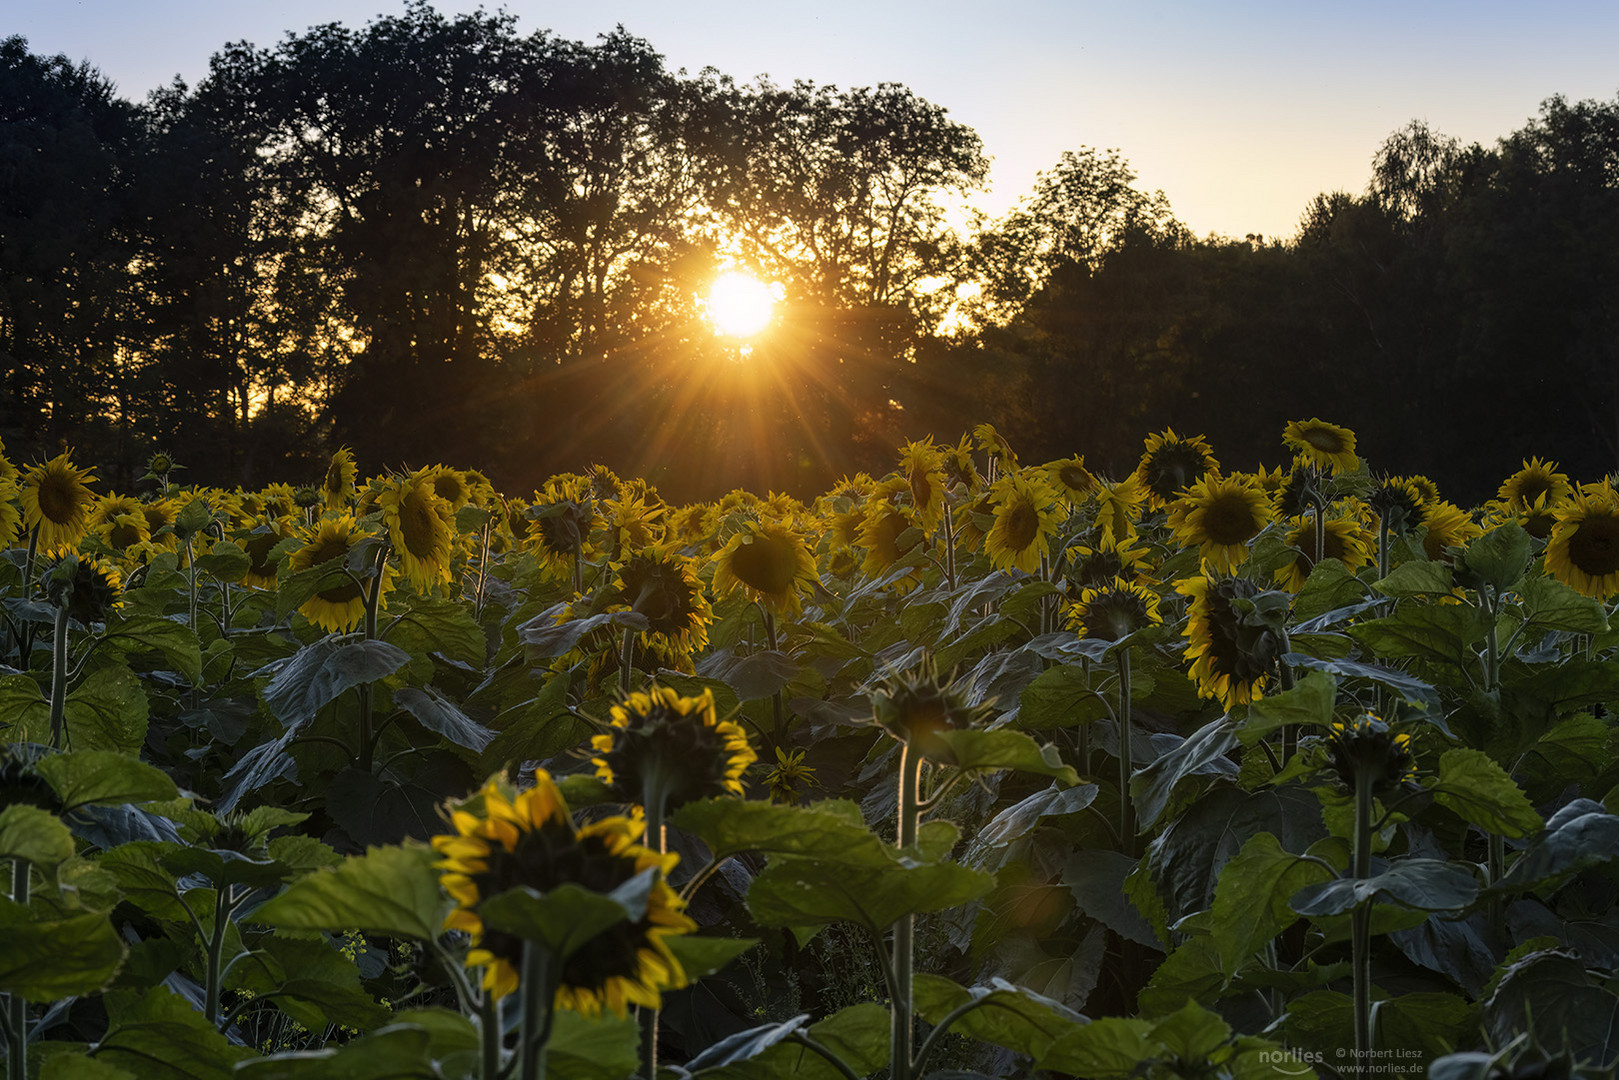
976 769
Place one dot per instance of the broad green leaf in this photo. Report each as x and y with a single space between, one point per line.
1330 586
439 714
1193 971
600 1048
831 830
1152 785
25 712
1424 884
744 1045
544 637
303 853
1192 1033
859 1034
388 890
1551 992
1480 791
568 917
137 867
700 956
1552 605
1062 696
1442 632
1420 577
77 1066
1309 703
1018 820
445 627
1005 1015
1251 899
89 777
226 561
973 750
107 711
46 961
396 1052
222 867
808 892
1096 877
755 676
316 674
1106 1049
28 832
176 641
1580 835
1498 557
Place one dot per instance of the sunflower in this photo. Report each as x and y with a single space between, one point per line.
1114 610
768 563
340 607
8 471
633 523
1026 517
502 843
880 532
959 470
1345 540
1366 746
161 515
451 485
1426 489
337 488
922 466
1324 445
10 515
125 532
1071 478
1448 526
56 500
1583 549
694 526
258 545
916 706
994 444
420 528
787 781
1089 567
1398 503
86 588
1118 508
665 750
1233 654
1221 516
1170 463
559 531
663 586
1537 485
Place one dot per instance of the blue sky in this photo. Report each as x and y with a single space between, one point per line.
1239 111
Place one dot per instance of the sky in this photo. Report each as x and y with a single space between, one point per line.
1240 111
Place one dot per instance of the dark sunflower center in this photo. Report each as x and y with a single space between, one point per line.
1228 519
1099 568
921 489
258 548
1246 653
123 535
1594 547
58 499
1325 440
334 547
680 754
1074 477
1532 487
765 564
1174 466
660 592
419 525
1022 525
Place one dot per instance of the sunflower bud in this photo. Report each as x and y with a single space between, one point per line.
1367 747
916 706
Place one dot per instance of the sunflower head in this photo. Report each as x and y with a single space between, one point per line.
1234 637
1220 516
1448 527
87 589
1345 539
1398 503
421 528
306 497
959 470
1071 478
769 563
921 464
1098 563
916 705
502 842
339 606
56 500
1113 611
337 487
1026 516
558 531
1170 463
1583 549
671 749
664 587
1118 508
888 533
10 515
1366 747
1537 484
1324 445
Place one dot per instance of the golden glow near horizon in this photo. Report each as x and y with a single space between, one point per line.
740 305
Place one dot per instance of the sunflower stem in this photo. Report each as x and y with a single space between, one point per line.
216 952
1127 827
909 815
657 798
538 983
1361 924
1382 546
776 733
59 679
949 547
25 641
16 1004
372 592
1320 532
488 1037
626 661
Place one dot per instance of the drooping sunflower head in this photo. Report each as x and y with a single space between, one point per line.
768 563
994 444
1114 610
1344 539
56 500
633 523
1089 566
921 464
1537 484
1426 489
1398 502
671 749
1071 479
161 514
664 587
1583 549
1234 650
1367 747
1118 508
1026 517
258 545
1170 463
337 487
1448 526
560 531
421 529
337 607
502 842
1220 516
1324 445
959 470
87 589
915 706
888 534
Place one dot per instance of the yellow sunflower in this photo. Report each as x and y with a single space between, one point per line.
994 444
959 470
1346 540
1170 463
1448 526
258 545
664 587
1583 549
768 563
1397 502
1324 445
1366 746
420 528
56 499
1426 489
1090 566
922 466
694 526
1538 485
10 513
337 488
1232 658
451 485
503 842
1118 508
1071 478
671 749
1221 516
1114 610
125 532
339 607
880 530
8 471
1026 518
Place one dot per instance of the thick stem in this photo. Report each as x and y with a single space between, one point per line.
1382 547
904 955
1127 825
59 679
372 591
1320 533
538 985
16 1004
949 548
1361 928
216 950
488 1037
656 837
776 713
25 640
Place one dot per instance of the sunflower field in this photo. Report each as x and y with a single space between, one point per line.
976 769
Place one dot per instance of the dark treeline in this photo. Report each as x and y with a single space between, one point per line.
433 239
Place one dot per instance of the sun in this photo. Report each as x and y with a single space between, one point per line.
740 305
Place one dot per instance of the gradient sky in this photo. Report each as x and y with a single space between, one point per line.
1240 112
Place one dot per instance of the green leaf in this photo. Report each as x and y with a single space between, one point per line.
1551 994
544 638
445 627
176 641
1106 1049
831 830
1096 877
1331 585
973 750
1498 557
568 917
1578 836
388 890
1018 820
1551 605
1480 791
73 1066
226 561
1309 703
439 714
91 777
310 981
700 956
744 1045
753 677
859 1034
28 832
46 961
1059 697
1424 884
316 674
1006 1015
1152 785
603 1048
1251 900
141 876
396 1052
107 711
1440 632
27 714
808 892
1420 577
